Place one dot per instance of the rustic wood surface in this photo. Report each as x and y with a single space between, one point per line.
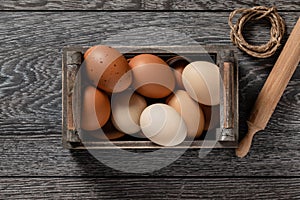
149 188
33 162
144 4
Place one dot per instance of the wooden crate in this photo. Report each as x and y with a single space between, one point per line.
226 136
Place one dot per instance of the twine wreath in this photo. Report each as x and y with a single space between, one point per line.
256 13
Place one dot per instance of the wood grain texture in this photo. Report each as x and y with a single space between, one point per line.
30 109
143 4
30 92
44 156
71 5
149 188
218 5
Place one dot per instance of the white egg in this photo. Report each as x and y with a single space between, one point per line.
163 125
190 111
126 110
201 80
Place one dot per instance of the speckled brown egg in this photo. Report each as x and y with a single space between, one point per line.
95 110
153 77
107 68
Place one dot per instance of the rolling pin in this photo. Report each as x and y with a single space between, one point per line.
273 89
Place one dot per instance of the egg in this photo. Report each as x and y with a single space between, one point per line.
153 77
212 116
108 132
178 63
107 68
190 111
127 107
201 80
163 125
95 110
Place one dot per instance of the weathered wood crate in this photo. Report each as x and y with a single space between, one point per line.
225 136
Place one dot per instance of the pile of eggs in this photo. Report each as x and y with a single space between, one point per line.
164 101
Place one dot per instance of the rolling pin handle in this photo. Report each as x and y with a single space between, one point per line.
246 142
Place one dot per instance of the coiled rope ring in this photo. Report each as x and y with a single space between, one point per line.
256 13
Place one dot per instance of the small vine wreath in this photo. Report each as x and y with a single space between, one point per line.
256 13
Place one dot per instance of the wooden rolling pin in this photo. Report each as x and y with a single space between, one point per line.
273 89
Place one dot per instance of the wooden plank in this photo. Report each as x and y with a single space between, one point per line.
44 155
218 5
30 85
71 5
149 188
144 4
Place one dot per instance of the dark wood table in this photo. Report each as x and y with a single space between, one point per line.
33 162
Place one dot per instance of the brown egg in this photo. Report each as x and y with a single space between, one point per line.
153 77
107 68
111 132
126 111
201 80
212 116
190 111
95 109
108 132
112 135
178 63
